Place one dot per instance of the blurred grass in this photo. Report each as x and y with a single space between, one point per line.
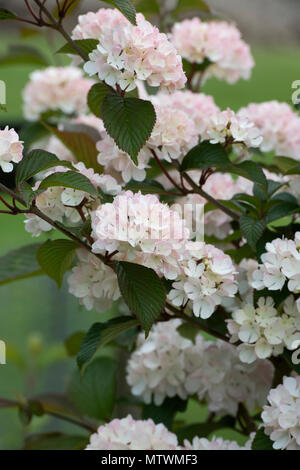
35 305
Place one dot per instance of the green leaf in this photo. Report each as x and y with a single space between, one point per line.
73 342
205 155
129 121
286 164
20 264
192 5
250 170
125 7
281 210
165 413
101 334
56 257
93 393
86 45
6 15
21 54
32 132
95 97
143 292
204 429
252 229
26 192
147 6
69 179
262 441
55 441
81 141
148 186
35 162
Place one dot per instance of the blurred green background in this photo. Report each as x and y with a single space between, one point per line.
35 317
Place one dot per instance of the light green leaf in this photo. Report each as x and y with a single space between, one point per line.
20 264
129 121
143 292
56 257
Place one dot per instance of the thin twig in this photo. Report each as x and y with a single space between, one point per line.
166 173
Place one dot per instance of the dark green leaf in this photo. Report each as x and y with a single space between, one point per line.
205 155
55 441
281 210
143 292
148 186
69 179
93 393
262 441
252 229
20 264
21 54
6 15
250 170
166 412
147 6
129 121
35 162
125 7
86 46
101 334
56 257
95 97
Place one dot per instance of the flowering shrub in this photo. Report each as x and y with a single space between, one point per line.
118 173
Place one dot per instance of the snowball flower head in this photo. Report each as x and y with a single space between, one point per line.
279 126
156 369
93 283
207 276
127 53
220 43
11 149
281 417
130 434
263 331
56 89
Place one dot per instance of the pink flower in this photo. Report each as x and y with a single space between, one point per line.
56 89
11 149
127 53
217 41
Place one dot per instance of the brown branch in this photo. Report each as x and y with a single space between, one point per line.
167 174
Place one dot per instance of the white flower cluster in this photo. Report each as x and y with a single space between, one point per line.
207 276
93 283
280 263
281 417
11 149
165 365
264 331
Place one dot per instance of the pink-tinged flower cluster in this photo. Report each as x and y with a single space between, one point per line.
207 276
280 263
229 127
198 106
218 42
281 417
130 434
216 374
263 330
143 229
278 124
60 203
11 149
127 53
156 369
62 89
93 283
214 444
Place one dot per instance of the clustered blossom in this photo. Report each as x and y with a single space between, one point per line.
93 283
143 229
11 149
156 369
207 276
127 53
215 373
60 203
198 106
229 127
166 364
281 417
218 42
62 89
130 434
263 330
280 263
278 124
